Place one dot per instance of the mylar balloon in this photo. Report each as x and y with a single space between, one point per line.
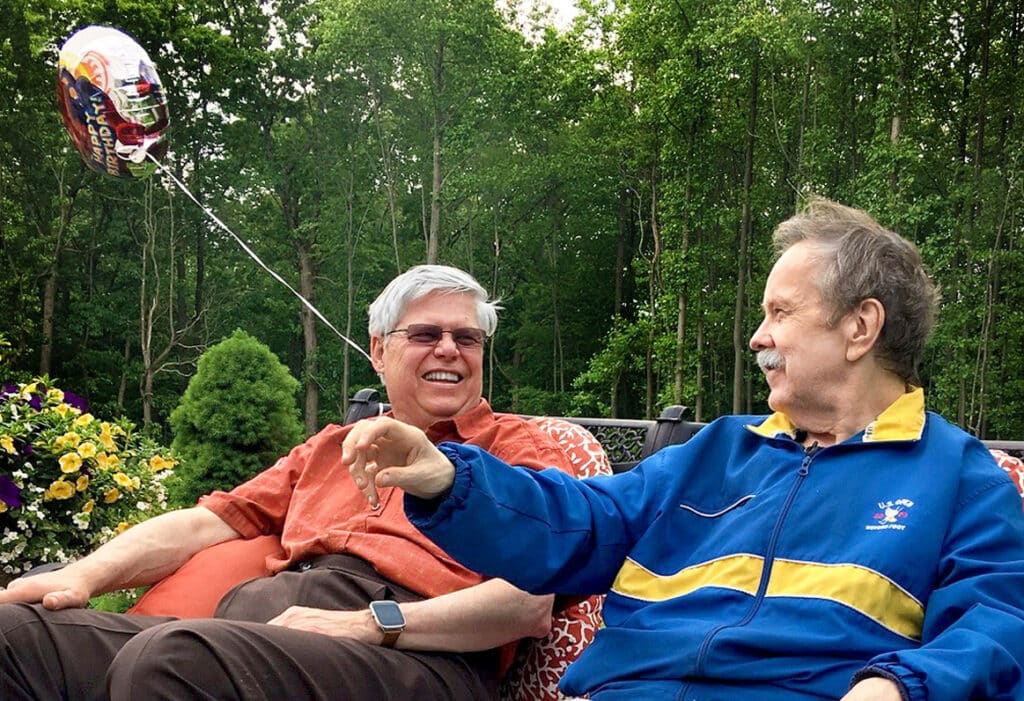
112 102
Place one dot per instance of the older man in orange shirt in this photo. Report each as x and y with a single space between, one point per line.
360 606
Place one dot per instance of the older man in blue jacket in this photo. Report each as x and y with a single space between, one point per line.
849 546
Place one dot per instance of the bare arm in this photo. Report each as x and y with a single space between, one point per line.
476 618
143 554
873 689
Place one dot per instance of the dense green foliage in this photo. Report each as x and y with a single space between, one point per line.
237 416
616 184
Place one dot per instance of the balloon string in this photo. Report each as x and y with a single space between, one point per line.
252 254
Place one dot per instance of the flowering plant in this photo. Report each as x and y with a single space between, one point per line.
69 481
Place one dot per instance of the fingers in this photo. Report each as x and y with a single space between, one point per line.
52 597
359 454
384 452
64 599
362 471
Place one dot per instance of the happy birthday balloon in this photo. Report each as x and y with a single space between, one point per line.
112 102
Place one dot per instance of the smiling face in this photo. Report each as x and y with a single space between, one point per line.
803 358
427 383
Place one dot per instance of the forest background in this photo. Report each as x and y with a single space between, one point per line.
615 183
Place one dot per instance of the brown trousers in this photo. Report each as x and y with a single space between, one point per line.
82 655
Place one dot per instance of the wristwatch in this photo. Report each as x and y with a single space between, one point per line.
388 617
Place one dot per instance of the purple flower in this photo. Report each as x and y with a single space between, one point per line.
10 493
36 400
74 400
10 392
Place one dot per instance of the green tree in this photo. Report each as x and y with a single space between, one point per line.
237 415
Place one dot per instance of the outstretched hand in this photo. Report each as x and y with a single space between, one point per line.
384 452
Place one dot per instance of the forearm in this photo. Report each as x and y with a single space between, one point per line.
478 618
543 531
151 550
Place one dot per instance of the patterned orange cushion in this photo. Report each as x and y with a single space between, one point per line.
1014 467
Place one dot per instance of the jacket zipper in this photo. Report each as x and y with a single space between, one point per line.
805 467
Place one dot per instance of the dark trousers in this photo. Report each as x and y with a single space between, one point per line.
83 655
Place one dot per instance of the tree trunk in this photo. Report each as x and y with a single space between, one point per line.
653 291
491 351
438 142
49 302
677 393
122 386
976 407
389 187
742 263
698 402
625 212
307 273
200 248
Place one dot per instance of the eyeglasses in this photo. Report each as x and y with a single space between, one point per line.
431 334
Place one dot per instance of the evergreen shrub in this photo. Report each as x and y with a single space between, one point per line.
237 416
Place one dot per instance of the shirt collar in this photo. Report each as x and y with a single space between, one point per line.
903 420
464 426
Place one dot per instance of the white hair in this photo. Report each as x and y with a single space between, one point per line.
420 281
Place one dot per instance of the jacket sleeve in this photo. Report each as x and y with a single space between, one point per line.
973 635
545 532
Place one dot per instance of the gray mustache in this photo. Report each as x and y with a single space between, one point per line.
769 359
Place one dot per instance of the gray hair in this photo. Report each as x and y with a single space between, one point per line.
420 281
861 260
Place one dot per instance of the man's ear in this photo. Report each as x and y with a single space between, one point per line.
864 324
377 353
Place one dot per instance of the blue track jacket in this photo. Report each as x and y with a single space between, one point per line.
741 567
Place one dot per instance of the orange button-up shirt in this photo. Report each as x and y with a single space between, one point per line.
312 503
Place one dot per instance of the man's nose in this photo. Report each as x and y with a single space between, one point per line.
446 346
761 338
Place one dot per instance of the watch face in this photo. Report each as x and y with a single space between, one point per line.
387 614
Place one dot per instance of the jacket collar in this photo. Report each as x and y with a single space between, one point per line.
903 420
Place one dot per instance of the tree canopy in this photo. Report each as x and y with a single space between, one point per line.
616 184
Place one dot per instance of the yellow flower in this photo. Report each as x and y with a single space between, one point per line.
84 420
64 409
105 437
54 396
3 506
107 462
111 495
68 440
61 490
123 480
159 462
70 462
8 444
82 483
29 390
87 449
122 527
87 508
